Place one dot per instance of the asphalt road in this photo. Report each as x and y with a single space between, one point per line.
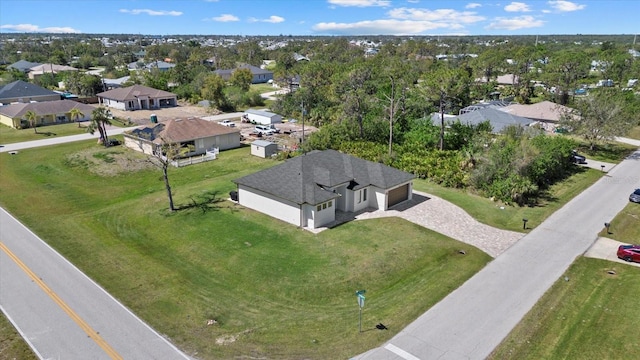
62 313
471 321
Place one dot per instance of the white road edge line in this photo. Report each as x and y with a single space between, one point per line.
396 350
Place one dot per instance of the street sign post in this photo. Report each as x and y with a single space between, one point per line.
360 297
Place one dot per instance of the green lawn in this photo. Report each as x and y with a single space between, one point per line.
593 315
10 135
625 227
510 217
11 344
634 133
275 290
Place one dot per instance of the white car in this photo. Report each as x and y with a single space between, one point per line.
228 123
263 130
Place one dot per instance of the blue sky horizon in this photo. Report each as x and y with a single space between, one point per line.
321 17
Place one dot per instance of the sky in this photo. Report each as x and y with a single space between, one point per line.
320 17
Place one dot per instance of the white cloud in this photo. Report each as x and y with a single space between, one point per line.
472 5
225 18
413 1
439 15
380 27
517 7
565 6
272 19
151 12
516 23
360 3
27 28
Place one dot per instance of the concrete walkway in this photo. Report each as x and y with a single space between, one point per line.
446 218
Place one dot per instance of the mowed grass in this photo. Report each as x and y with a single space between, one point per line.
10 135
510 217
593 315
275 291
625 227
11 344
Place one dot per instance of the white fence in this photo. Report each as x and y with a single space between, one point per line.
211 154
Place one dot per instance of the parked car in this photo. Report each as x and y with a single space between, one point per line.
228 123
263 130
577 158
629 253
274 128
635 196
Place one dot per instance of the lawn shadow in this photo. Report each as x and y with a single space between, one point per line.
47 133
205 202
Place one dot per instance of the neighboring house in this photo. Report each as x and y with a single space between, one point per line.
309 189
545 111
137 97
160 65
49 112
262 117
41 69
260 76
23 92
263 149
205 137
496 118
22 65
111 84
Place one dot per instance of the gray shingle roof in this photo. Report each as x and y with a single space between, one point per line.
19 88
45 108
303 179
498 119
23 65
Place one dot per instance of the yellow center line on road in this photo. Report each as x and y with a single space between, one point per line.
75 317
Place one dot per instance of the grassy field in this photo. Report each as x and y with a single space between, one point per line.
11 344
591 316
634 133
625 227
275 291
10 135
510 217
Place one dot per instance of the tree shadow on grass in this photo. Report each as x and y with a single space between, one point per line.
205 202
47 133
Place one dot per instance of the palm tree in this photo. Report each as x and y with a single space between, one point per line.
32 117
76 114
99 120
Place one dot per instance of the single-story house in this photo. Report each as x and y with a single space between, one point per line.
22 65
41 69
262 117
263 148
115 83
48 112
545 111
202 135
21 91
496 118
309 189
260 76
137 97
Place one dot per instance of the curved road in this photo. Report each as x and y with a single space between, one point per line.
471 321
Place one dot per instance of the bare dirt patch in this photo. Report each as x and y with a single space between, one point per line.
109 162
182 111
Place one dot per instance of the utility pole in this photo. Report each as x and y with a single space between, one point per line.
303 111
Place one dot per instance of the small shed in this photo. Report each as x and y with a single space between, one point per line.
262 117
263 148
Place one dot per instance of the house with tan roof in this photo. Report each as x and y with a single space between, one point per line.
41 69
204 138
545 111
48 112
137 97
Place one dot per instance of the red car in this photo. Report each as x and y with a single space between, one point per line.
629 252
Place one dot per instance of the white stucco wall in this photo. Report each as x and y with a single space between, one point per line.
380 198
322 217
267 204
113 104
138 145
